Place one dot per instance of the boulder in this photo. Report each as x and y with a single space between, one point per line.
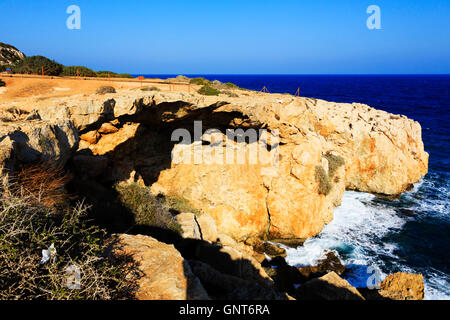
7 160
189 225
107 128
224 286
90 137
328 264
207 227
232 261
402 286
162 273
328 287
83 112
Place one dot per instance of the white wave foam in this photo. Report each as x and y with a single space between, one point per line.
356 236
354 229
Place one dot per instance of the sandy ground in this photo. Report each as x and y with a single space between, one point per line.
28 93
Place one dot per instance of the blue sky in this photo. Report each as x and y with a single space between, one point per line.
235 37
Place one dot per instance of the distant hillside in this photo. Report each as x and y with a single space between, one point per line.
9 55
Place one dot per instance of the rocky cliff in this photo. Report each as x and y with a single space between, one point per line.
316 150
9 55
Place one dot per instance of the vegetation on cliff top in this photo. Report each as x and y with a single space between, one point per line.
104 74
208 91
71 71
34 65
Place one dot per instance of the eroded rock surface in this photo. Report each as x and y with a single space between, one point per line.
162 273
322 148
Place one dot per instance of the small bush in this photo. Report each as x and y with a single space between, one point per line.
324 181
124 75
2 83
334 162
83 72
145 207
105 89
150 89
104 74
27 227
230 93
208 91
199 81
34 64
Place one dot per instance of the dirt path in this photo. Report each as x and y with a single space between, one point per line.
28 92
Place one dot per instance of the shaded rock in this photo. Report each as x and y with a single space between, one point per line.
231 261
7 161
207 227
224 286
272 250
328 287
328 264
162 272
89 165
284 275
189 225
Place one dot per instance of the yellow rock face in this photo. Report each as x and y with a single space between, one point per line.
292 198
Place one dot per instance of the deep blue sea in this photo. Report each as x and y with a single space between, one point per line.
411 234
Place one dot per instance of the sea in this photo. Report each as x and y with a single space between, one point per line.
375 236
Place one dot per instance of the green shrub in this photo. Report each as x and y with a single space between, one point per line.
124 75
2 83
34 64
177 205
208 91
104 74
147 210
27 228
199 81
334 162
231 85
324 180
150 89
83 72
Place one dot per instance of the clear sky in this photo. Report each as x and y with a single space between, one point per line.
234 37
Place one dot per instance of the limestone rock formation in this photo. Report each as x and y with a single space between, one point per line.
330 263
189 225
162 273
402 286
315 150
36 140
9 55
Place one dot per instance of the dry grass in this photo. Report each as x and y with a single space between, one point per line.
45 182
27 227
